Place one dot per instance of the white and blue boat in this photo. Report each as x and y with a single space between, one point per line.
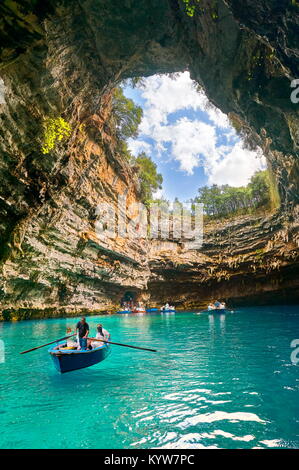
66 360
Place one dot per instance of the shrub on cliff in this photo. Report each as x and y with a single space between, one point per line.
55 130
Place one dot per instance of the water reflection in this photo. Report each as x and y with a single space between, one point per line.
217 320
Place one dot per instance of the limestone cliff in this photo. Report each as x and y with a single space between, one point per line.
62 59
245 260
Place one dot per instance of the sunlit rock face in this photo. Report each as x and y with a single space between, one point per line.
246 260
63 59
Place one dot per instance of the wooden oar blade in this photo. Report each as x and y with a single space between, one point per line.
47 344
125 345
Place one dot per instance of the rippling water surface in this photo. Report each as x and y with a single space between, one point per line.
218 381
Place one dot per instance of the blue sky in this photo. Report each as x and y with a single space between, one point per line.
190 140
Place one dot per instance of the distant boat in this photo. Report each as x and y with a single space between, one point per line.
167 309
73 359
124 311
216 310
152 309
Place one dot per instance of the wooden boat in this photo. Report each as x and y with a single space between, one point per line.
66 360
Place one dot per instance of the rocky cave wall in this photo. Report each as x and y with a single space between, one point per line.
62 58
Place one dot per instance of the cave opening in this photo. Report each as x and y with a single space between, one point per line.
128 297
197 148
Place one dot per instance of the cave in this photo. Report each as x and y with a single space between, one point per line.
128 296
61 62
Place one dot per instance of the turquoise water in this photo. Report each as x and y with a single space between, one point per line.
224 381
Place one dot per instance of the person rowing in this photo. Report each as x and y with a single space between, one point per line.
82 330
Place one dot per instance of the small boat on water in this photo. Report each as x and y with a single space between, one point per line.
217 307
66 360
152 309
124 311
167 308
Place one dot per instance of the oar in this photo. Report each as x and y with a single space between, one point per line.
125 345
47 344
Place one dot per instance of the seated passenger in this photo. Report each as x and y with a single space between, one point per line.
217 304
101 334
211 306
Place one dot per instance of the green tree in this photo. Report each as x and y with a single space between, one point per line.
149 179
126 115
125 118
259 188
225 200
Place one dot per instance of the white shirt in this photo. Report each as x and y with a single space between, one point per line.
96 344
106 334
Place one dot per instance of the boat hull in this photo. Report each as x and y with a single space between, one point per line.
66 361
217 311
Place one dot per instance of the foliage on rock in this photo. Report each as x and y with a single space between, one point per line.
55 130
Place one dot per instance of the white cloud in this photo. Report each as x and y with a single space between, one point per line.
192 142
159 194
165 95
136 146
236 166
